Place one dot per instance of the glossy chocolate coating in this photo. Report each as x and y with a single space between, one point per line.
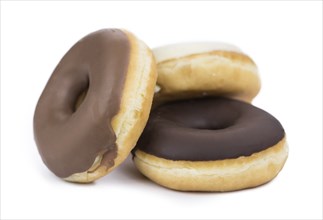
209 129
70 139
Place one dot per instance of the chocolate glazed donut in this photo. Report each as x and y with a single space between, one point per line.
95 105
211 144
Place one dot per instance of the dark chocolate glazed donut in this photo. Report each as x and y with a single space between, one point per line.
70 139
209 129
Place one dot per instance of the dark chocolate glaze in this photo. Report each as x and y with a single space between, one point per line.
209 129
70 139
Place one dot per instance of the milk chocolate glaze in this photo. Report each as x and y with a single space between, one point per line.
209 129
70 139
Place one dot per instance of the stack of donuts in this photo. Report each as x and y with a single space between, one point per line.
184 112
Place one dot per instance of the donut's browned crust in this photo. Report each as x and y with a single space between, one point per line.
216 73
221 175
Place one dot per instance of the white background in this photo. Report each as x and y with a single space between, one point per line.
284 39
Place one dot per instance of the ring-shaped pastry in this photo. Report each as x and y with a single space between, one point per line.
198 69
95 105
211 144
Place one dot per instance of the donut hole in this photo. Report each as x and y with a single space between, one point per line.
80 98
212 127
217 124
206 116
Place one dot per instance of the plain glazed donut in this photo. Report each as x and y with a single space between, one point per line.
191 70
95 105
210 144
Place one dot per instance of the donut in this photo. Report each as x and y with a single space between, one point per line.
188 70
210 144
95 105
